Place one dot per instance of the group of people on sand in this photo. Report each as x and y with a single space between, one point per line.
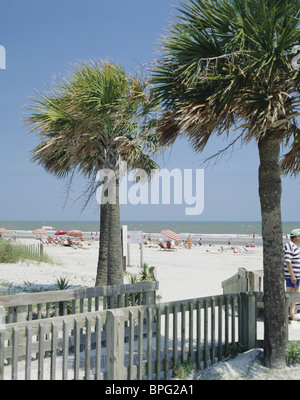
67 242
9 238
172 243
252 244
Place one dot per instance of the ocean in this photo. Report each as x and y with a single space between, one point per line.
214 232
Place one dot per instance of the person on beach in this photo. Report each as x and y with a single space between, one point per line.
189 242
292 268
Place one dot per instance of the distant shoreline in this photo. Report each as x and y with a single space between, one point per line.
197 238
210 231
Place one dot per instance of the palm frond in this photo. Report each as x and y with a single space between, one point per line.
92 117
227 64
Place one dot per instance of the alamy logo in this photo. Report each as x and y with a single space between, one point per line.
188 188
2 57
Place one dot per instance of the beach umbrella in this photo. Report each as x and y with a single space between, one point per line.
75 233
170 234
61 232
2 230
40 232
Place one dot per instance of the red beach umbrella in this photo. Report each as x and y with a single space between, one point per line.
61 232
75 233
40 232
2 230
170 234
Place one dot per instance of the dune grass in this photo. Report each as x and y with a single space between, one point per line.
13 253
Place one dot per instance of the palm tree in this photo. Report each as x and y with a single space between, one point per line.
224 64
88 122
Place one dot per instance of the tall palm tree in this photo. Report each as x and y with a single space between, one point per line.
88 122
224 64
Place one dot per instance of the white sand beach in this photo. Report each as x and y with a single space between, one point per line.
182 274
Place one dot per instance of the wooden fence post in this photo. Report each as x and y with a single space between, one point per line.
2 322
2 315
41 250
287 305
248 322
115 345
149 298
21 313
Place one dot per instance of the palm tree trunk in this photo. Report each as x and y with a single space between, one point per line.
114 265
101 277
274 295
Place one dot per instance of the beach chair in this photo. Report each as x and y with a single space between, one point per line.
161 246
169 246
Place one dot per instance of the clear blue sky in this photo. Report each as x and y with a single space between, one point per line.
44 38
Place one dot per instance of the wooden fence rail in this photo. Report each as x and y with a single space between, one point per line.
244 281
137 342
25 307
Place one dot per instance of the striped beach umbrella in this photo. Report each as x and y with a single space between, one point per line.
40 232
170 234
75 233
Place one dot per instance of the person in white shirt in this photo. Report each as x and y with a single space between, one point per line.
292 268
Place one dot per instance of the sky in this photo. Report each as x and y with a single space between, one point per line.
46 38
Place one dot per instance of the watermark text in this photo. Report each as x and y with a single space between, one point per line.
2 57
164 187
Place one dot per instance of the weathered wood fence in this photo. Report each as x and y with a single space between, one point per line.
244 281
37 248
28 306
249 281
33 248
136 342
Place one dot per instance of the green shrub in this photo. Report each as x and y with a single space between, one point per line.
12 253
7 253
143 276
183 370
61 284
292 353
